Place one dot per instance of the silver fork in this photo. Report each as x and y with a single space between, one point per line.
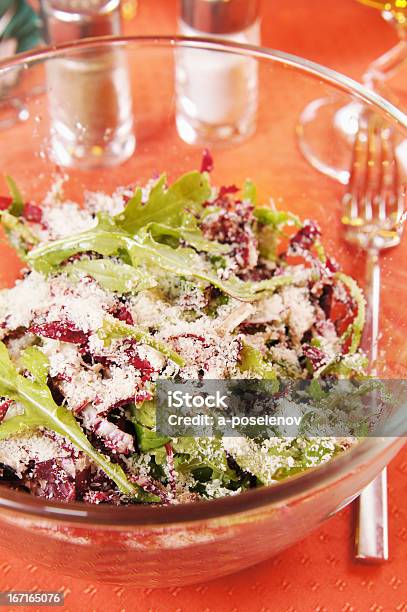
373 220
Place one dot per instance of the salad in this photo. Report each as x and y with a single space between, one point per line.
178 281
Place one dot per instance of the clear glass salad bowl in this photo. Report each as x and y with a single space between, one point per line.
180 544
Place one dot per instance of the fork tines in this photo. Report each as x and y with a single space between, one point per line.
374 201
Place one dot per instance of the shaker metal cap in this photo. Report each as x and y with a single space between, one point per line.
219 16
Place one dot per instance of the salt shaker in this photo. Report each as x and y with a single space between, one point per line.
88 89
217 91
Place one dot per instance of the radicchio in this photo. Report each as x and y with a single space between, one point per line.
207 161
123 314
51 480
4 406
5 202
306 236
316 357
65 331
32 212
113 438
171 469
226 190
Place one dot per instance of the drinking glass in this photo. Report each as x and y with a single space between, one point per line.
387 75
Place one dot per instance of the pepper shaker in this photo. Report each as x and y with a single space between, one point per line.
88 89
217 91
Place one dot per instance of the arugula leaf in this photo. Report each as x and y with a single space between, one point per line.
271 222
198 453
112 275
105 238
192 235
47 257
115 236
127 219
40 410
34 361
357 325
17 205
251 360
148 439
250 192
315 390
113 329
144 420
144 413
108 239
188 193
276 218
185 261
20 236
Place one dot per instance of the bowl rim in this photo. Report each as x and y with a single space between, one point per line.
333 77
295 486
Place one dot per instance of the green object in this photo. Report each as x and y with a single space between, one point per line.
137 232
20 235
252 361
24 26
250 192
356 327
169 205
111 275
148 439
114 328
17 206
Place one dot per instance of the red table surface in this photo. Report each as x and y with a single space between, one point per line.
319 573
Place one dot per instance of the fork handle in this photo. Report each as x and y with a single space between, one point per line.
372 542
371 527
370 338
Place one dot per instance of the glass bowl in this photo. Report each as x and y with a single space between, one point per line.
188 543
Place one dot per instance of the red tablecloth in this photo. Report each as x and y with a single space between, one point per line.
318 574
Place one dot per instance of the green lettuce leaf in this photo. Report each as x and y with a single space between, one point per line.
40 410
34 361
164 205
192 235
144 419
250 192
186 262
252 360
315 390
112 275
193 454
17 205
113 329
270 229
276 218
148 439
105 238
356 327
20 236
144 413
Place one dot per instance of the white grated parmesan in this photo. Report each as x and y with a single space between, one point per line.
18 451
301 313
64 220
19 304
